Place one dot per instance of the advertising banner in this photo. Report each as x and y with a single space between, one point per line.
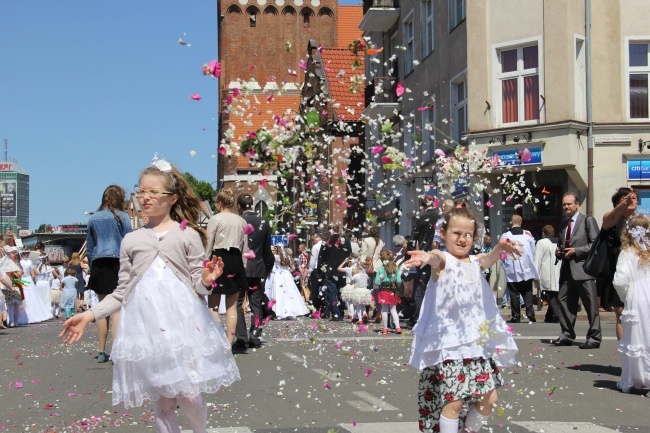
8 198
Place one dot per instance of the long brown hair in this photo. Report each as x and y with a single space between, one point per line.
388 260
113 199
188 204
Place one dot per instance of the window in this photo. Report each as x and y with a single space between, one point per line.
426 27
456 13
459 113
519 82
638 70
253 13
261 208
408 43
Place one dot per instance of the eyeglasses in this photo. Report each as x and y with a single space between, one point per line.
153 193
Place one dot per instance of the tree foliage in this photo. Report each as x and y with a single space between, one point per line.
202 188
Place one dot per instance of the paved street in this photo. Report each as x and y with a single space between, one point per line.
319 377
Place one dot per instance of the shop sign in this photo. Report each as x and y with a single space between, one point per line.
638 169
512 156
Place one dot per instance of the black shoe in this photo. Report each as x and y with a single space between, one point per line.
514 320
532 318
589 345
551 321
239 345
337 319
254 343
562 342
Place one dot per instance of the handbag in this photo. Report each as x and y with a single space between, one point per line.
370 261
600 259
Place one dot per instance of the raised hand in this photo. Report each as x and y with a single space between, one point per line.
418 258
212 269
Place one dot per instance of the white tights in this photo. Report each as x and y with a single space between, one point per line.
55 308
360 310
385 308
13 308
195 411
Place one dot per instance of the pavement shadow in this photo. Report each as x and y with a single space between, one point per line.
606 384
599 369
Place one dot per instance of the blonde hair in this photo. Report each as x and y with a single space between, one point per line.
226 197
75 260
629 243
188 205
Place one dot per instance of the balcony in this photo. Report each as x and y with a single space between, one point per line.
379 15
381 98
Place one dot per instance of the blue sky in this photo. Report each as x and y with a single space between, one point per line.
90 90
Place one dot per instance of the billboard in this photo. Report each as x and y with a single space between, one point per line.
8 198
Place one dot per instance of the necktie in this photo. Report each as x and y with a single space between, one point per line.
567 240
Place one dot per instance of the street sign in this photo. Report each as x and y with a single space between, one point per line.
280 239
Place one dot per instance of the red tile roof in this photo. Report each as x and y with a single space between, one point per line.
262 115
346 84
348 24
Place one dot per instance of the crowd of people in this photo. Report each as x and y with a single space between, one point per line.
166 282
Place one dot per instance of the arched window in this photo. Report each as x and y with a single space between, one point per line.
261 208
233 9
270 10
307 14
325 12
289 11
253 13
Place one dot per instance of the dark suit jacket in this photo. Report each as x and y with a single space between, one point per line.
333 252
584 234
424 230
260 243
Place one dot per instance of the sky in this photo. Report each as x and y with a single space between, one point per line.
89 91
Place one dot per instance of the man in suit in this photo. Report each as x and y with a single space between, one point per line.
257 269
520 273
331 255
577 233
423 237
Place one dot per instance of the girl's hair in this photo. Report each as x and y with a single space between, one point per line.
285 260
373 232
388 260
638 223
75 260
113 199
461 209
70 272
188 204
226 197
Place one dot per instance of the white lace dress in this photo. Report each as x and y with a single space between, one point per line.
356 291
34 308
168 343
459 319
281 288
633 286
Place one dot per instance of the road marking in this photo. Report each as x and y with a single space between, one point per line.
409 338
225 430
322 373
376 404
562 427
381 427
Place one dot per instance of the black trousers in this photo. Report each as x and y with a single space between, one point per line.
422 278
257 299
316 297
553 312
525 289
570 291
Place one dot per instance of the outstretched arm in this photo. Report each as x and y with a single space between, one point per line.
505 246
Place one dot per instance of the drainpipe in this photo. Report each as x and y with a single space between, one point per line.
590 127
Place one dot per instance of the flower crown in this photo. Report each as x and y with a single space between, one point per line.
164 166
639 234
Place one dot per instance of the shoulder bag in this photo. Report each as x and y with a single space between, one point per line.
600 259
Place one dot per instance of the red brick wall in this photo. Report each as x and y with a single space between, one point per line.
263 46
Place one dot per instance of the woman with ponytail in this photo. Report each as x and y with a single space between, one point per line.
227 240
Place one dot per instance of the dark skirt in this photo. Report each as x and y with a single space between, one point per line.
104 275
233 279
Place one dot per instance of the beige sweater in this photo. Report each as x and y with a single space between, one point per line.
181 250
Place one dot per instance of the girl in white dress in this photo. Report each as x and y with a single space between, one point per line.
281 289
355 293
460 339
632 282
35 309
169 349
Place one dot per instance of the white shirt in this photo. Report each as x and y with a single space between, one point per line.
313 260
522 269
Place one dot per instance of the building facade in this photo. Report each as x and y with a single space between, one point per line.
510 76
14 198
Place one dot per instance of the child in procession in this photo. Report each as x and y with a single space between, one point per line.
460 340
169 349
388 278
69 295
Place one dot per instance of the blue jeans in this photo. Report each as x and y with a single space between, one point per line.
332 298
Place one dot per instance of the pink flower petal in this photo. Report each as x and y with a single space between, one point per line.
236 92
440 153
315 315
292 236
248 229
196 97
222 150
368 372
302 64
184 224
327 385
19 385
399 90
489 204
525 156
271 303
386 160
249 255
377 149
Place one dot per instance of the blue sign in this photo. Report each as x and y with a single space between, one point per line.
280 239
638 169
644 201
512 156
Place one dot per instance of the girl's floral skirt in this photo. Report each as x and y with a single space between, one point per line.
453 380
